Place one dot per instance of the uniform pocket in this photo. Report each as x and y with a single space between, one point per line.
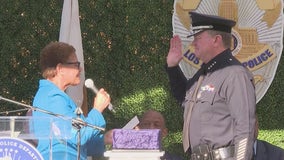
206 97
187 100
205 104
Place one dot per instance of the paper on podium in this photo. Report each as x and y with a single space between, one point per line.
132 123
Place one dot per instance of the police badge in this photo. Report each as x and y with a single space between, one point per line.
257 35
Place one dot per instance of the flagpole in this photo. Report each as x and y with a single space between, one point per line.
70 32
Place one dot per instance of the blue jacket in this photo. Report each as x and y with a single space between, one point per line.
63 135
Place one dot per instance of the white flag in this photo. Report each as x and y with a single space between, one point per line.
70 32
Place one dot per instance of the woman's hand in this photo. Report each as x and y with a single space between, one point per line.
102 100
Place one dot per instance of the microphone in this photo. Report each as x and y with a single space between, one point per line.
89 83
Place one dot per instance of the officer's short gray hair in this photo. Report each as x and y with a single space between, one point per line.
226 37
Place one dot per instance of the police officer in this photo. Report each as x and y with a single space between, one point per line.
219 100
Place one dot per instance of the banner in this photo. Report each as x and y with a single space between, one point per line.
70 32
257 36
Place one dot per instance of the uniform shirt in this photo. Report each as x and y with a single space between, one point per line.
50 98
224 113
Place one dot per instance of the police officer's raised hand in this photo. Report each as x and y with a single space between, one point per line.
175 52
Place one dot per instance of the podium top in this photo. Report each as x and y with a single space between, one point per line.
22 127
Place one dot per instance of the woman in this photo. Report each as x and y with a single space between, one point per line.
60 68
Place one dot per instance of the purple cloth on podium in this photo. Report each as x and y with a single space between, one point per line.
129 139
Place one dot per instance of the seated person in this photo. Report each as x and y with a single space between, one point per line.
266 151
152 119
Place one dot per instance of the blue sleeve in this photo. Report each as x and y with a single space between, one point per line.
94 118
64 105
96 146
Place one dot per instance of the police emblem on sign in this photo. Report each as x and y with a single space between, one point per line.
257 36
17 149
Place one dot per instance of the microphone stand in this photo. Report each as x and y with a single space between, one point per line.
78 112
78 123
13 111
75 121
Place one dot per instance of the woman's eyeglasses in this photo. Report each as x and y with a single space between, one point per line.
77 64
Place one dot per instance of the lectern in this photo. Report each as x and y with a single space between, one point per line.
18 139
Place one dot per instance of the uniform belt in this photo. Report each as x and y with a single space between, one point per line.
204 152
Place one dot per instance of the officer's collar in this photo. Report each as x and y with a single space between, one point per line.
218 62
222 60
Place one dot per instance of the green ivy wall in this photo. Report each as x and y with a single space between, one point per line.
125 46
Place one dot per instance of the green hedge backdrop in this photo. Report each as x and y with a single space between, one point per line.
125 46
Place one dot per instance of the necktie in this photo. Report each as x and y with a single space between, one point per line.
187 115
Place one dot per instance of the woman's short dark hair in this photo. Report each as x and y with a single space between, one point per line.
53 54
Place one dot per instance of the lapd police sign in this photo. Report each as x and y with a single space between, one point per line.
17 149
257 36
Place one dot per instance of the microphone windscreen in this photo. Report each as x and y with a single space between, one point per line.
89 83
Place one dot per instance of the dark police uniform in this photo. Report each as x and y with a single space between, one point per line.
223 117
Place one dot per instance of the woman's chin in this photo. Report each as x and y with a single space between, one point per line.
75 83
